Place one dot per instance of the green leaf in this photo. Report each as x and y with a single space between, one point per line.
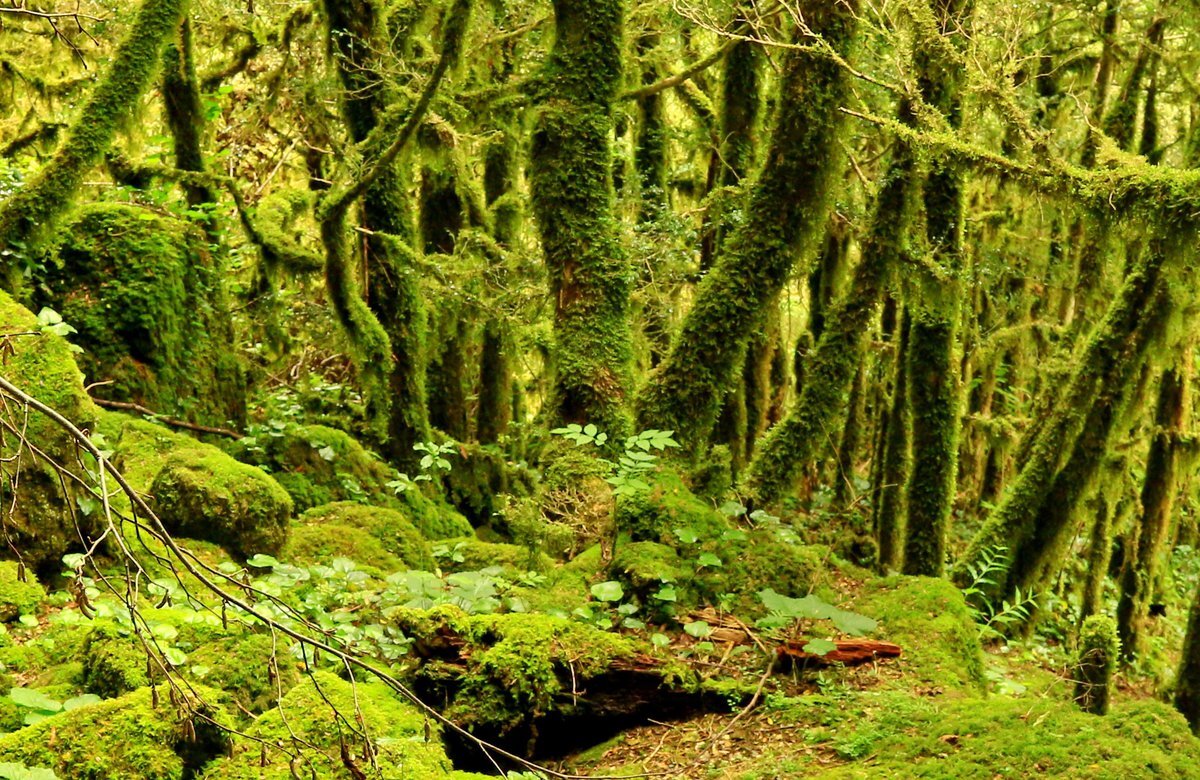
820 647
29 621
659 640
666 593
11 771
710 560
698 629
608 591
327 453
34 700
175 656
80 701
687 535
852 623
261 561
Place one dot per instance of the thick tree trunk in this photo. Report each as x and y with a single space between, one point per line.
570 179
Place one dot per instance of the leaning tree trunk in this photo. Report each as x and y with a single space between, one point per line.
572 193
786 213
32 210
1140 574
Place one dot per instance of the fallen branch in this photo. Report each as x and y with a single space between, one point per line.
175 422
849 652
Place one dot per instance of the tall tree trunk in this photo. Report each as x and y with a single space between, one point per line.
784 218
572 192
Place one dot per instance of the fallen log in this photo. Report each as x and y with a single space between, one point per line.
849 652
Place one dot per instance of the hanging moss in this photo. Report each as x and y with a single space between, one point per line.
31 211
1099 648
147 298
786 208
572 193
794 444
205 494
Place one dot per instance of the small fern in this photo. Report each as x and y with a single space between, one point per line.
991 618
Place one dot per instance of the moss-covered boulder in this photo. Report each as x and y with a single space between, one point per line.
147 299
318 465
397 732
18 597
241 666
114 663
471 554
668 509
202 493
929 619
122 738
382 538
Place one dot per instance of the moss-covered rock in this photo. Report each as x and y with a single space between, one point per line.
241 667
374 536
929 618
318 465
397 732
146 297
472 554
42 523
16 597
202 493
113 662
120 738
658 514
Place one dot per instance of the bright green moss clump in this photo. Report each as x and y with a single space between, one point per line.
145 295
205 494
669 506
114 663
317 464
374 536
118 739
41 524
396 728
929 619
239 666
18 598
1099 648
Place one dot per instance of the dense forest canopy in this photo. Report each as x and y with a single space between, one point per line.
420 389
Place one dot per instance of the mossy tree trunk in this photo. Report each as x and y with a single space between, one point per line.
1096 664
933 366
572 192
185 116
30 212
1148 539
785 215
1187 678
393 294
1101 368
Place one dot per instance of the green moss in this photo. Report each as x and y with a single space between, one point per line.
397 732
205 494
118 739
573 199
655 514
145 295
320 543
477 555
239 666
929 619
31 212
16 597
114 663
518 667
1096 663
644 567
317 464
397 540
41 524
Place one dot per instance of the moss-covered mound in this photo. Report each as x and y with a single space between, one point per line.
119 739
41 523
202 493
397 733
241 665
146 297
319 465
16 597
373 536
517 678
114 662
471 554
928 618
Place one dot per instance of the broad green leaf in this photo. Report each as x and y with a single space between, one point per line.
80 701
659 640
852 623
710 560
608 591
820 647
698 629
34 700
687 535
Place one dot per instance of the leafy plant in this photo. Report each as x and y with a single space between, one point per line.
785 610
993 563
